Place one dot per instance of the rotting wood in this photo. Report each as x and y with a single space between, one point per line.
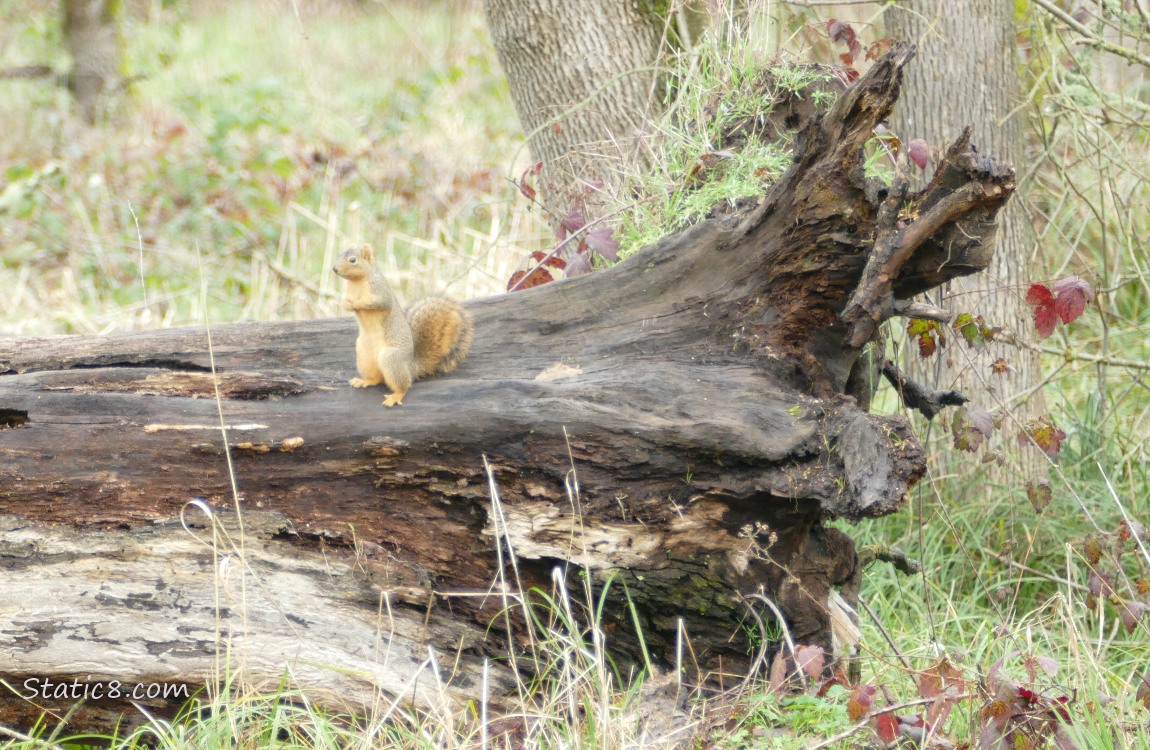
696 394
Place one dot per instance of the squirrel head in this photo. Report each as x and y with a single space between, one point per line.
354 263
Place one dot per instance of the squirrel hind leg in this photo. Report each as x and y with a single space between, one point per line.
396 365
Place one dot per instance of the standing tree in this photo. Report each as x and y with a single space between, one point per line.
92 35
967 75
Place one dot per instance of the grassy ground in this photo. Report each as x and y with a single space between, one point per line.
247 158
244 161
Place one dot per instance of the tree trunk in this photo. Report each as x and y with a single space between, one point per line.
582 76
674 429
968 76
92 36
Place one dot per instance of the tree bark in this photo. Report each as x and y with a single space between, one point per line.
92 36
968 76
674 431
582 76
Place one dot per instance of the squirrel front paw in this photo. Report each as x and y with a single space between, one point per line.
361 383
394 399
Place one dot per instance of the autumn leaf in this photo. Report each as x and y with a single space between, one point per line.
524 183
878 49
970 426
928 333
602 240
1131 615
841 32
1044 434
1039 493
778 674
1143 692
942 678
522 280
547 259
1092 548
811 660
974 330
579 265
1099 585
1000 366
886 725
1039 295
860 702
570 223
1066 302
1072 296
918 152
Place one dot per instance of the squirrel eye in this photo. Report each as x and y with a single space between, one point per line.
351 259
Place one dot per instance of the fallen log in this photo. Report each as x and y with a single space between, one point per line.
674 431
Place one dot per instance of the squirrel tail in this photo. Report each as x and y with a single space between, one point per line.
442 331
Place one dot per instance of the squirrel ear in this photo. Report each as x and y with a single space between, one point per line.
366 252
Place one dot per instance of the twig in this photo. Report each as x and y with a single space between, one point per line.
1098 359
1091 38
885 634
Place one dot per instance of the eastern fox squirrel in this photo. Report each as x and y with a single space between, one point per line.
395 348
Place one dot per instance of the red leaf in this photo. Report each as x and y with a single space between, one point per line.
1000 366
841 32
1039 295
1131 614
572 222
918 152
861 701
943 677
887 727
524 184
602 240
878 49
1045 318
1143 693
578 266
521 280
811 659
778 672
547 259
1072 296
846 74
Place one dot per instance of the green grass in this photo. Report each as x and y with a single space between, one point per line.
245 160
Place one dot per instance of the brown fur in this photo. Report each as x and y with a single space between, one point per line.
395 348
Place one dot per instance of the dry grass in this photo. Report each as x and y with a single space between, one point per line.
258 144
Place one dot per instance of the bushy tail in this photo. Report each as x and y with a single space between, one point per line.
442 330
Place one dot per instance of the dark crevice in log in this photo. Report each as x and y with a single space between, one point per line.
13 418
140 361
